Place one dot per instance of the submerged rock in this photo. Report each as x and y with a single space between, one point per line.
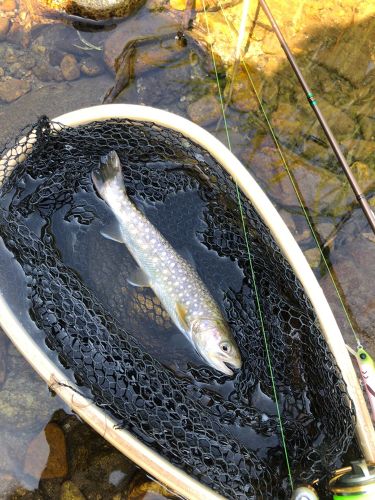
3 357
25 402
243 95
313 257
70 491
46 454
95 9
320 189
205 111
143 488
4 27
13 88
91 67
70 68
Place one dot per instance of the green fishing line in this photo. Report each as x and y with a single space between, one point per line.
257 298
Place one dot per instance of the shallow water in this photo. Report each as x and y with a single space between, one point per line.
92 465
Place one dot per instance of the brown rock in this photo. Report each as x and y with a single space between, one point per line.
4 27
204 111
135 29
46 73
8 5
3 357
69 491
319 189
90 67
313 257
11 89
46 455
243 95
69 67
148 490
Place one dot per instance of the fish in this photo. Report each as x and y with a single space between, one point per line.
172 278
367 368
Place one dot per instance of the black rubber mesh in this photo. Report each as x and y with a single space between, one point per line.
183 417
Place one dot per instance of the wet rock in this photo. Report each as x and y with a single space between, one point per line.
135 29
204 111
25 402
3 357
8 5
50 488
342 123
8 484
313 257
90 67
97 9
52 100
321 190
69 491
287 120
47 73
4 27
96 468
367 127
345 55
243 96
143 488
354 271
12 88
70 68
358 149
325 230
46 454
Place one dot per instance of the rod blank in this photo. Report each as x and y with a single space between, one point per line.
331 138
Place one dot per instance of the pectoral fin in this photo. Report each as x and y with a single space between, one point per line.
113 232
181 313
139 278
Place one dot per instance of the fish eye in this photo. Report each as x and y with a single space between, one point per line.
363 355
225 347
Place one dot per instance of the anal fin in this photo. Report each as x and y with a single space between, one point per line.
139 278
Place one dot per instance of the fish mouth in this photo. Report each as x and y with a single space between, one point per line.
224 366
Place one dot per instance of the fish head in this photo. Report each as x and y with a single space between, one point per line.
215 343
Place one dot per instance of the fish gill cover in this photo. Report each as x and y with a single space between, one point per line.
115 338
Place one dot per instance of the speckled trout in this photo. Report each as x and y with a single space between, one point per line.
174 280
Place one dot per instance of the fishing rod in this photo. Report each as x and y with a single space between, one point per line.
331 138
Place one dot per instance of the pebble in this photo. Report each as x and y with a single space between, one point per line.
69 67
4 27
243 96
46 454
90 67
148 490
8 5
204 111
313 257
12 88
69 491
3 357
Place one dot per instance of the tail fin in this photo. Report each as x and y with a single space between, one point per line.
108 173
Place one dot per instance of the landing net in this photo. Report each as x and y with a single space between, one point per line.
225 433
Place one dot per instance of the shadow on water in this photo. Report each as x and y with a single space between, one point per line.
174 76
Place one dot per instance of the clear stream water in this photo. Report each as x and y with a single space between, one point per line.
86 461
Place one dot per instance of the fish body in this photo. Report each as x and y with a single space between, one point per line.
175 282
